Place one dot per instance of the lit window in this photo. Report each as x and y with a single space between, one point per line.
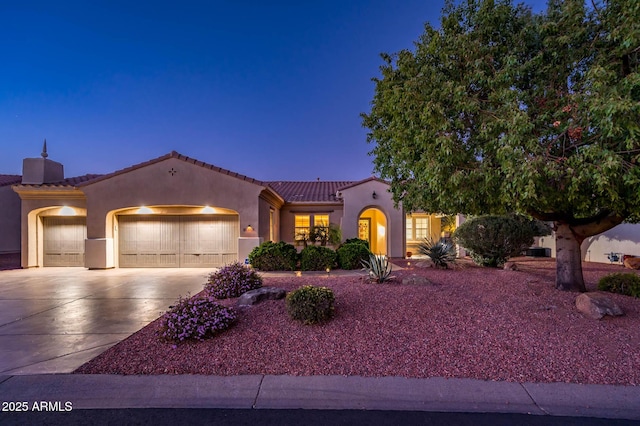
302 225
321 220
421 227
417 227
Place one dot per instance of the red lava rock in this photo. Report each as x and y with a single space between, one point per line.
473 322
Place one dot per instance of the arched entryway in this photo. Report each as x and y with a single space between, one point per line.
372 227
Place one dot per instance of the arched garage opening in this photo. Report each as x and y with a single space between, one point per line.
175 237
57 236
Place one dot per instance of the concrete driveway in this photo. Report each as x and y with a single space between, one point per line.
52 320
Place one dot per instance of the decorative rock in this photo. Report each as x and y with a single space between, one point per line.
252 297
510 266
596 305
416 280
427 263
632 262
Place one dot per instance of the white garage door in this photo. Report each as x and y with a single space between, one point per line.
64 240
177 241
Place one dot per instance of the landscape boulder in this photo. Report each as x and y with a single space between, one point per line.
596 305
416 280
510 266
252 297
632 262
427 263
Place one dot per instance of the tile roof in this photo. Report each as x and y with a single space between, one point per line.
68 182
174 154
310 192
356 183
10 179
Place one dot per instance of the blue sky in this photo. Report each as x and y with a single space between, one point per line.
272 90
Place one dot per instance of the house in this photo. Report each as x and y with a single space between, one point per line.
176 211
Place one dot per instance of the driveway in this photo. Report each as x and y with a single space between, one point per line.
52 320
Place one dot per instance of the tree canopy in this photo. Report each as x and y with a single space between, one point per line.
502 110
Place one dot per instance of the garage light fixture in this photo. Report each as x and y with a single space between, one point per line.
67 211
207 209
249 228
144 210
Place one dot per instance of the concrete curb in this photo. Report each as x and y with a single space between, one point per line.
324 392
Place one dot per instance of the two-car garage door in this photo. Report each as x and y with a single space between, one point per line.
177 241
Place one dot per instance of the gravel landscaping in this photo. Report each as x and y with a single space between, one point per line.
468 322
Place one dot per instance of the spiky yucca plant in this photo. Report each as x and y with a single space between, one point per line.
441 253
378 267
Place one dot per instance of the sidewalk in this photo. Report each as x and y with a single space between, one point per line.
324 392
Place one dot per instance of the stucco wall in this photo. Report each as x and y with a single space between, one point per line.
161 185
288 212
624 238
155 185
9 220
359 198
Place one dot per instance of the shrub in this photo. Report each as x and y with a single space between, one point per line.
232 281
195 318
317 258
351 255
378 267
622 283
270 256
441 252
326 234
358 241
492 240
310 304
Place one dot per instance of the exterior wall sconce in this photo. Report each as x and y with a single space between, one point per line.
249 228
374 195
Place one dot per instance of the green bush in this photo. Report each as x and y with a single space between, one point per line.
491 240
310 304
232 281
270 256
441 253
622 283
358 241
317 258
351 255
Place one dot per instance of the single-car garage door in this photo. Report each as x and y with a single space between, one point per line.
64 240
177 241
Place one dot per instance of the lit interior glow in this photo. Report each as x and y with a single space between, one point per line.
208 209
67 211
144 210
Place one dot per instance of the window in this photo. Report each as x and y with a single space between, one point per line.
302 225
272 224
417 227
304 222
321 220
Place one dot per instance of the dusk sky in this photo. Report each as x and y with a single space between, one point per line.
272 90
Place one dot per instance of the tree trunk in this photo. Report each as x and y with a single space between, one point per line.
568 259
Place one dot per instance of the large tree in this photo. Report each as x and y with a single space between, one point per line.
500 110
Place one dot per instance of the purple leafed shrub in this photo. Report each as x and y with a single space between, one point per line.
232 281
195 318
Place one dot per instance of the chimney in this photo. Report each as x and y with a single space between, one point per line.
36 171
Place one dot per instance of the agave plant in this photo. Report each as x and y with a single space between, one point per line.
441 253
378 267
